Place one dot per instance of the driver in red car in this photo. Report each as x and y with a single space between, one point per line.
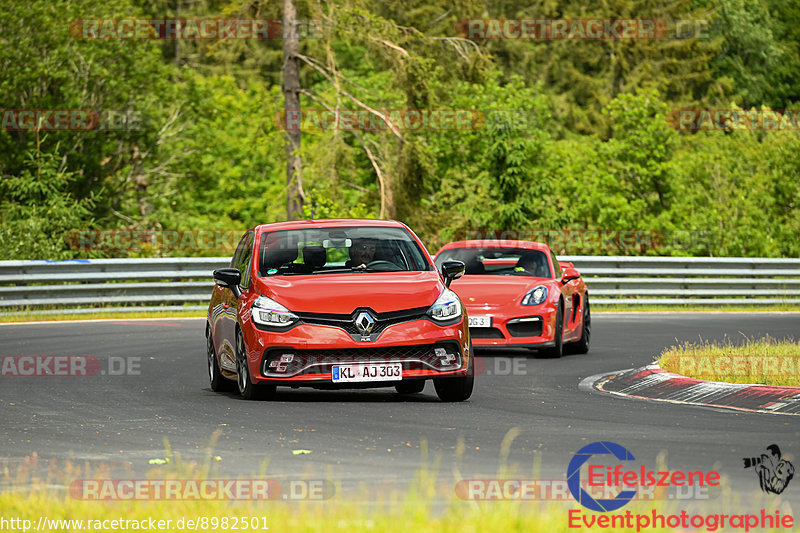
362 253
534 263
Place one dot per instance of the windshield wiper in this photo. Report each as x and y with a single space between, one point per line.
332 270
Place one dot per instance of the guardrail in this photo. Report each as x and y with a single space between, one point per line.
611 280
690 280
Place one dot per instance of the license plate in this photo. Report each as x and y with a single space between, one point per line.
480 321
367 372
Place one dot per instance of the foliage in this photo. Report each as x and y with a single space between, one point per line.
762 360
564 134
37 211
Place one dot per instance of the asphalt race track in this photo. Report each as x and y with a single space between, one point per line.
374 437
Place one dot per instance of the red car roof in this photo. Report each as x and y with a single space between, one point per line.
329 222
496 243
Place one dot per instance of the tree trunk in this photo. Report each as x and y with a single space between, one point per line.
291 95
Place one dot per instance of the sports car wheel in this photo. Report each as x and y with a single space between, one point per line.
218 382
457 389
247 388
410 387
558 337
582 346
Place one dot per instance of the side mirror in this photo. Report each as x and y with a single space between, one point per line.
452 270
569 274
229 278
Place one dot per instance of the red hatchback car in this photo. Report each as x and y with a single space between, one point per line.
337 304
518 295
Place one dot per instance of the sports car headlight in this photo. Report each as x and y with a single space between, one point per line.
268 312
446 307
535 296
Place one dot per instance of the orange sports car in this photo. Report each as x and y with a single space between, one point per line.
518 295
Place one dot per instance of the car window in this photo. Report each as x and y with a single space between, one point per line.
238 253
245 258
498 261
556 266
340 250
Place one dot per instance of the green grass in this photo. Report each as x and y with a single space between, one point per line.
387 516
632 308
33 316
33 489
429 504
765 361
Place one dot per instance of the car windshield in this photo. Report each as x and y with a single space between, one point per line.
508 261
336 250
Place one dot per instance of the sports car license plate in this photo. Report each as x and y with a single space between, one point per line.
367 372
480 321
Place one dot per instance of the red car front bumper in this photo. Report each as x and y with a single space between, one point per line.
436 351
514 326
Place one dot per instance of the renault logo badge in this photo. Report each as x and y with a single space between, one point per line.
364 323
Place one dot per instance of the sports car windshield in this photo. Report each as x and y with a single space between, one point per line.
510 261
340 250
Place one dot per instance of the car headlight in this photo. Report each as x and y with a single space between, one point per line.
535 296
268 312
446 307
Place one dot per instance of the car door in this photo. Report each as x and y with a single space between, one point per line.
224 330
245 260
568 292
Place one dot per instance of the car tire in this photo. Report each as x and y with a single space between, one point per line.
219 383
582 346
248 389
457 389
410 387
557 350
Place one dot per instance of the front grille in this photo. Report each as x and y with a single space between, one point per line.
347 322
416 357
486 333
525 328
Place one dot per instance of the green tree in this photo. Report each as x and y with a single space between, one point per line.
751 54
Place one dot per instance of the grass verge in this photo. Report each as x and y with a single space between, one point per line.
632 308
429 504
33 316
765 361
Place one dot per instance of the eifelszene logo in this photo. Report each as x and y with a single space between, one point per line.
774 473
606 476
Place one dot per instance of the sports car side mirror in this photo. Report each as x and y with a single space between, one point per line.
229 278
568 275
452 270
